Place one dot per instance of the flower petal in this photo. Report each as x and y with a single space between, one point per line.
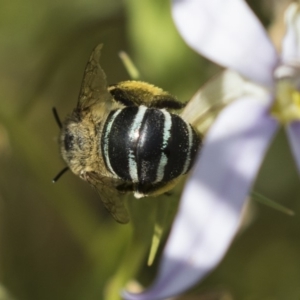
210 209
291 40
228 33
217 93
293 132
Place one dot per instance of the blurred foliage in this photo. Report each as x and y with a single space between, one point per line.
57 241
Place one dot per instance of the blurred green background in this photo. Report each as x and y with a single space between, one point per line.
57 241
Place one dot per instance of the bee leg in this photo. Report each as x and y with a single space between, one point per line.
166 101
121 96
168 194
142 190
125 187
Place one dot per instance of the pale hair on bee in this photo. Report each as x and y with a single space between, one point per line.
126 137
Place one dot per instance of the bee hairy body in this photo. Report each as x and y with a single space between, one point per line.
125 137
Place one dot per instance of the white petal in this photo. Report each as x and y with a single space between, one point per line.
228 33
293 131
210 209
217 93
291 40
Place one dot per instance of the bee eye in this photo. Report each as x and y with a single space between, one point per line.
68 141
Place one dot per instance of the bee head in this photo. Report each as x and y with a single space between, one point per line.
78 144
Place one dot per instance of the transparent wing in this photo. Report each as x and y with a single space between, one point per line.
114 203
94 86
113 200
205 105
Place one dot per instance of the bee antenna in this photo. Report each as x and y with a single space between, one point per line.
56 116
62 172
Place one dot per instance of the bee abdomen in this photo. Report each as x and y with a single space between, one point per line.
148 146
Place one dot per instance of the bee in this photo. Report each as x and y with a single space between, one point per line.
126 138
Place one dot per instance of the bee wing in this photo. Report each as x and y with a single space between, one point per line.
114 203
94 86
205 105
113 200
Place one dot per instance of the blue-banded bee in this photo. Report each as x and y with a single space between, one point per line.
126 138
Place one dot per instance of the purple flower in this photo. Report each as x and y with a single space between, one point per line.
228 33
